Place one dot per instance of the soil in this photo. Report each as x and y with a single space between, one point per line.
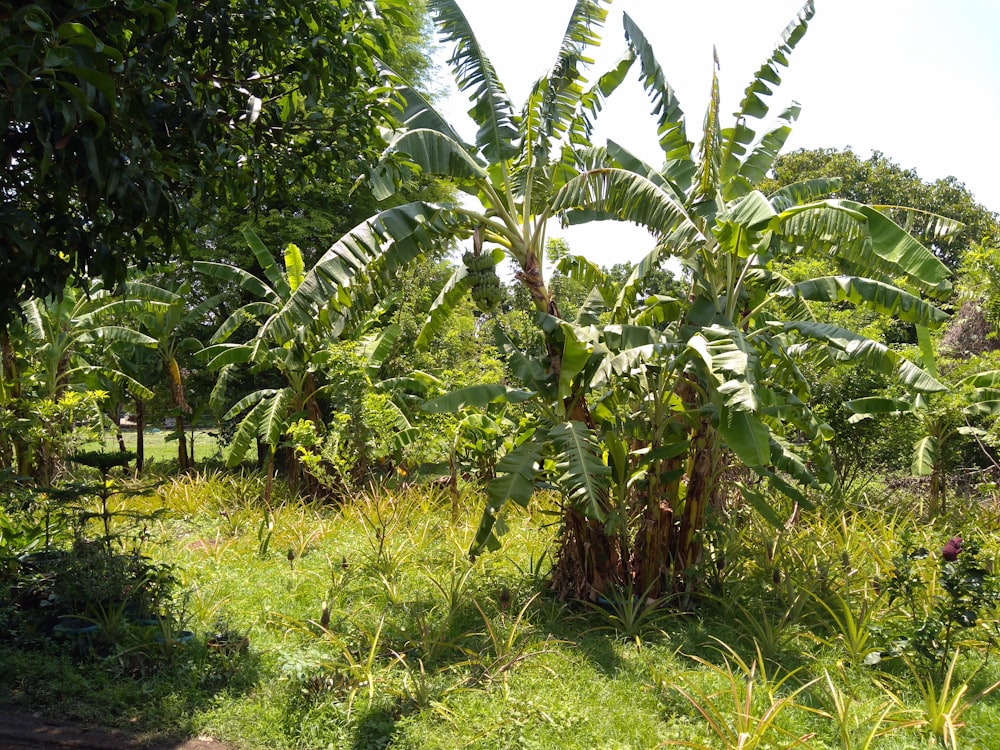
23 730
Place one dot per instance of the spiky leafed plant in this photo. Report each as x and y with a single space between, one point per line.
727 359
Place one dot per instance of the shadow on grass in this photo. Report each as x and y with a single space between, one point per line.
157 699
375 729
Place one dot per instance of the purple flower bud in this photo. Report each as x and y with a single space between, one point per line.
950 550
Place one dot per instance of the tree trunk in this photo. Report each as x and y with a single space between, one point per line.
140 433
177 396
652 556
588 562
183 461
116 420
703 468
589 559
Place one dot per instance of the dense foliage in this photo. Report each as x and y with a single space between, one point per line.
126 123
878 180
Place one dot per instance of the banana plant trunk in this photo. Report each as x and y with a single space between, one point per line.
177 396
590 559
704 460
183 459
589 562
140 434
116 420
651 561
668 545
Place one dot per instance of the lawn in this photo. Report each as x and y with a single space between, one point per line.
160 448
368 627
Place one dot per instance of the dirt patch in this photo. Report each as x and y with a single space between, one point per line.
22 730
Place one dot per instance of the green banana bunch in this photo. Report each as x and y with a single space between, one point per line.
486 289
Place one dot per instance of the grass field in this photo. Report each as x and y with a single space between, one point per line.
369 627
159 449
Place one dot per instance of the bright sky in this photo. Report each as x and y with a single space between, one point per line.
918 80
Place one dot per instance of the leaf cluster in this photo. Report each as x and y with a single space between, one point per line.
123 122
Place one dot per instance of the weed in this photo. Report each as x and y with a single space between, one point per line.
856 730
942 704
736 716
428 692
631 616
852 625
505 651
768 632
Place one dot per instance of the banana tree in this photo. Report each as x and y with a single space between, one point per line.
139 361
266 412
724 361
734 346
165 318
63 342
517 164
61 336
941 419
299 359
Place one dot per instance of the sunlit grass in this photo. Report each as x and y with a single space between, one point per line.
159 446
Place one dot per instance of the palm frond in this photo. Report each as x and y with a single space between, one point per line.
876 295
753 104
874 354
373 250
670 128
267 263
475 76
709 168
805 191
584 476
620 194
275 417
514 480
458 284
761 159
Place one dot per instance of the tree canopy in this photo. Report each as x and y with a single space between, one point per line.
123 123
878 180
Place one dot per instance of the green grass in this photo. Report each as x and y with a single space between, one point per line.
369 628
158 448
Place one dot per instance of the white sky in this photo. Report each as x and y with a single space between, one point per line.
918 80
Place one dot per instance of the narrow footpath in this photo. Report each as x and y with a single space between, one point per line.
23 730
